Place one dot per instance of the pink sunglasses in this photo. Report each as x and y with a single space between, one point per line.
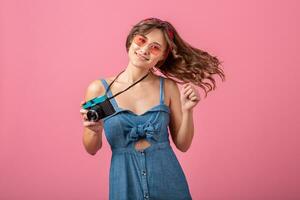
141 41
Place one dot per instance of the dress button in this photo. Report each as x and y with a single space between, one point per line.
146 196
142 153
144 173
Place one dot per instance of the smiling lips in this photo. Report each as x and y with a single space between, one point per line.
141 57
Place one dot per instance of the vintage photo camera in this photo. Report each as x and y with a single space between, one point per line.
98 108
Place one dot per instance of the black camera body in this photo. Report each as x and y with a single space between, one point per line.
98 108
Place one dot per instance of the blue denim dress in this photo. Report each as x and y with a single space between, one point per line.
153 173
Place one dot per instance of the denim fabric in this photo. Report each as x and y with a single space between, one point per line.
153 173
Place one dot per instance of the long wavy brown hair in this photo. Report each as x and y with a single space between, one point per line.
182 62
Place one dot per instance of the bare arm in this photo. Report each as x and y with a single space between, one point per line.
182 122
92 131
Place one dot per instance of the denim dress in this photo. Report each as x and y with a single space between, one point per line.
152 173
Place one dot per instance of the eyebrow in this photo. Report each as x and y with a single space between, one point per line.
152 42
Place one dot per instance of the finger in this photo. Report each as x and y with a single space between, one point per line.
85 118
188 92
194 99
99 122
192 95
185 86
83 111
89 123
92 124
188 88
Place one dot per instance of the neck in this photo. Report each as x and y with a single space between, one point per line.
133 74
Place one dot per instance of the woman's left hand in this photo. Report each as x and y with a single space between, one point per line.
189 97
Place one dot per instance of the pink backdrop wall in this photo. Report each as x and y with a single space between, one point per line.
247 131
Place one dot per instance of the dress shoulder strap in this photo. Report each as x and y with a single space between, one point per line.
105 84
161 90
109 93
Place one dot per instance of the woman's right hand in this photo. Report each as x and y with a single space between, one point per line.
94 126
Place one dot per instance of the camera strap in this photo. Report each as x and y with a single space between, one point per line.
126 88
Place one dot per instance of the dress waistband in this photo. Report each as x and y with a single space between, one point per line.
131 148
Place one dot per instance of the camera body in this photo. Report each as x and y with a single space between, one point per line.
98 108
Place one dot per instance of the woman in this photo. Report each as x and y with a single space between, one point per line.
143 164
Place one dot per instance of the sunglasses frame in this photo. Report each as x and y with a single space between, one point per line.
151 50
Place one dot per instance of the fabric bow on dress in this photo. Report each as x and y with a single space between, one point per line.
147 130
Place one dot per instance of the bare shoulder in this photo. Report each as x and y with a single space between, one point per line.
171 89
170 86
94 89
170 83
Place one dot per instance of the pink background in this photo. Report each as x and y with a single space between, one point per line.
247 131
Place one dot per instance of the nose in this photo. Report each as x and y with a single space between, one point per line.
144 50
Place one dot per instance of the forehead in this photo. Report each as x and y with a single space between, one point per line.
156 35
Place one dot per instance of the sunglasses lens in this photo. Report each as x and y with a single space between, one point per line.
155 50
139 40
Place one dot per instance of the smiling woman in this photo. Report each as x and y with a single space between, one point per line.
150 47
143 163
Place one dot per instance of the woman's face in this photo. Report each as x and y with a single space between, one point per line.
146 50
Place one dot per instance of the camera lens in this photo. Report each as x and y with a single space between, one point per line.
92 115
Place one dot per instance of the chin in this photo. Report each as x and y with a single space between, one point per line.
140 65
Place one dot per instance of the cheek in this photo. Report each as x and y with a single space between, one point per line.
133 47
131 51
